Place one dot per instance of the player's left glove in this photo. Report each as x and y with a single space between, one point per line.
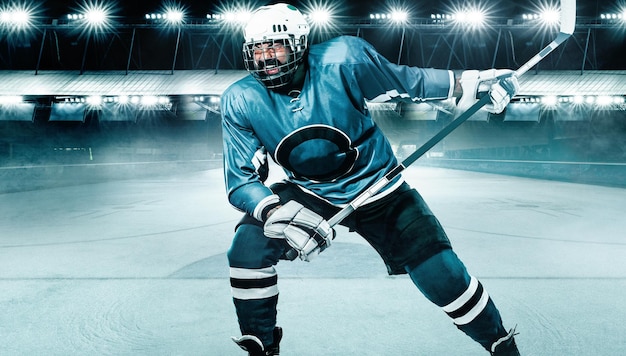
500 84
304 230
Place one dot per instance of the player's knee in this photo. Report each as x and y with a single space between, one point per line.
252 249
441 278
240 252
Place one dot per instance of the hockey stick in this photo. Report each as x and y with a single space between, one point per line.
568 22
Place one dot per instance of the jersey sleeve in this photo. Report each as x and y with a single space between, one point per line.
244 160
380 80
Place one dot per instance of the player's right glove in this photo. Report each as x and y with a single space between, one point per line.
478 83
304 230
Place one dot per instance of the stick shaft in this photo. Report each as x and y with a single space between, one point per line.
380 184
568 21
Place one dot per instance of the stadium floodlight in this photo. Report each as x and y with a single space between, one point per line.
550 16
604 100
232 14
399 16
122 99
169 15
239 16
441 18
93 16
150 101
319 17
549 100
578 99
174 16
530 17
8 100
472 17
547 16
94 101
231 17
320 12
16 17
469 16
615 17
96 17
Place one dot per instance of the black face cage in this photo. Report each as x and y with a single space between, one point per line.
296 47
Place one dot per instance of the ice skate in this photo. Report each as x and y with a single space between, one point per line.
255 347
505 346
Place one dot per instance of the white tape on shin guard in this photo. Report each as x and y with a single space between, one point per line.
466 307
249 283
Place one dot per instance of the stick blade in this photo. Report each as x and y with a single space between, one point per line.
568 16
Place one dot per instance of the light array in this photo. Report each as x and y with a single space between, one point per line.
214 100
171 16
398 16
441 18
595 100
8 100
96 14
474 18
151 100
614 17
15 17
236 16
319 16
97 100
548 16
93 16
241 16
137 100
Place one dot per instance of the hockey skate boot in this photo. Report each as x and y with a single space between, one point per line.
255 347
505 346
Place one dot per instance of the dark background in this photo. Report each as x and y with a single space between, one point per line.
593 145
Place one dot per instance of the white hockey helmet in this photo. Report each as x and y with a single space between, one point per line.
281 23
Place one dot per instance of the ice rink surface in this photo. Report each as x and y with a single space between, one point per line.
138 267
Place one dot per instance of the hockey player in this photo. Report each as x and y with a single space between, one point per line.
305 106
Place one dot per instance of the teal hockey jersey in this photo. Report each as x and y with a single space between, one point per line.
324 137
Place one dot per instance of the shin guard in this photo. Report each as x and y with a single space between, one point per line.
444 280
